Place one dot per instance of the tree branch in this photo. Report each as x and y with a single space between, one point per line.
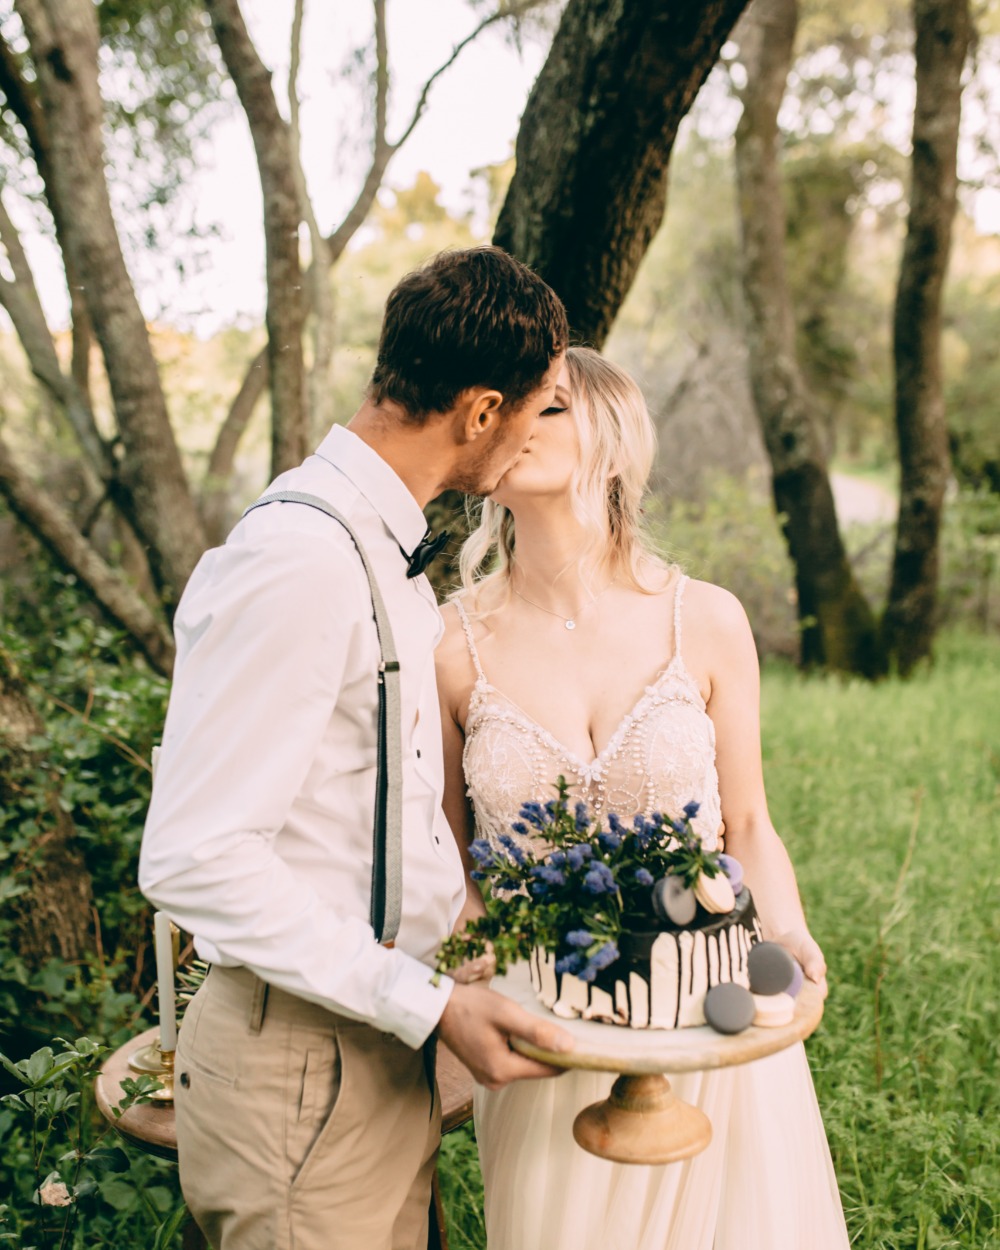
49 523
64 40
20 298
318 292
220 464
22 99
383 151
282 214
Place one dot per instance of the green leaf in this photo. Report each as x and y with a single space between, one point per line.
108 1159
38 1066
169 1229
121 1193
13 1068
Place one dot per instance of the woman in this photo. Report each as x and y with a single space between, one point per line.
582 653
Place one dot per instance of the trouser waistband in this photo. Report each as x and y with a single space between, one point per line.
244 991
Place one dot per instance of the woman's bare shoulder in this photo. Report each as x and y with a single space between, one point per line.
453 639
720 616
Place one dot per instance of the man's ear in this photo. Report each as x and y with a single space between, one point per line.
476 413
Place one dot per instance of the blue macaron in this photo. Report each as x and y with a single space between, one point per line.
733 870
771 968
729 1008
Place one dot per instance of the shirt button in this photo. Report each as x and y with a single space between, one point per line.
185 1080
418 753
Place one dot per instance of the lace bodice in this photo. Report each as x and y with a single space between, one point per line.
660 757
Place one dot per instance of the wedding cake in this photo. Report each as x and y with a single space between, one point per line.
661 976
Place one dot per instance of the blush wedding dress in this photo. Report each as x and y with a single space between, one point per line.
766 1182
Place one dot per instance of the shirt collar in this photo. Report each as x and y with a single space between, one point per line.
379 484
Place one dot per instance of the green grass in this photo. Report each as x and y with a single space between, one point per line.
888 799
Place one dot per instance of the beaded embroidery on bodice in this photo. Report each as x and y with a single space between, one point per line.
661 756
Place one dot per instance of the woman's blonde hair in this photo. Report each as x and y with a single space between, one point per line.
617 446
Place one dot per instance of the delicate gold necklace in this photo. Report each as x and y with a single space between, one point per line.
568 621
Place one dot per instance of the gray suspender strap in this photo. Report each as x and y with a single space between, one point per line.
387 851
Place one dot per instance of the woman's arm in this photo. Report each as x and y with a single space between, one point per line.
454 686
726 650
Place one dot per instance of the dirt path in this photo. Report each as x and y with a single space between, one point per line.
861 502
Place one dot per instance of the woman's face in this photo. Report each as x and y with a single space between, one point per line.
546 465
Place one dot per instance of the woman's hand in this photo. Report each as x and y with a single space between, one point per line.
481 969
803 946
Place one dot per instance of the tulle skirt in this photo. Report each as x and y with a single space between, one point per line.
766 1181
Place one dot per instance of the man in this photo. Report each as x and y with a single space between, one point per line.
305 1117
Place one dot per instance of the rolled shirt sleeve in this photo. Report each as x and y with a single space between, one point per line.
269 634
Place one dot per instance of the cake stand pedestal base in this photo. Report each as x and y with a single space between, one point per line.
642 1121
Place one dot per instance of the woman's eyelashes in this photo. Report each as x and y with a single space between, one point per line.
553 411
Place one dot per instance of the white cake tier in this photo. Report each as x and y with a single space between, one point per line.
667 991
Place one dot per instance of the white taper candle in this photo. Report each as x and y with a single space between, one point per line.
164 944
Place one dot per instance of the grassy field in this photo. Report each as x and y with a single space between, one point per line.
888 798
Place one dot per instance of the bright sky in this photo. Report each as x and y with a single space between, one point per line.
471 120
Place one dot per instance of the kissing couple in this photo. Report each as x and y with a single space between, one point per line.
334 741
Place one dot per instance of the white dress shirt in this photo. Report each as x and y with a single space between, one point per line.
259 835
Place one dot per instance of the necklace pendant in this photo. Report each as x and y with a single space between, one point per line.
571 624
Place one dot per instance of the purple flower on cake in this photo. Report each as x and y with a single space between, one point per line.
534 814
548 875
604 957
578 855
513 850
570 885
571 963
482 853
600 880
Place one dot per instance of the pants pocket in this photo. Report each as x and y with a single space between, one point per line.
315 1084
208 1043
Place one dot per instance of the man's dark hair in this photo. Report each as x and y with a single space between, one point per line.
475 317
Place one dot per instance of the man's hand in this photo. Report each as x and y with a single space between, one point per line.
478 1024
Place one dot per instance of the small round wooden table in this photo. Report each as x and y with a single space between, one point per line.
150 1126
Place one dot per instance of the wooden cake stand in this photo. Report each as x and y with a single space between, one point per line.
642 1120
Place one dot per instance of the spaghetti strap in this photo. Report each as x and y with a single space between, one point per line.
678 596
467 627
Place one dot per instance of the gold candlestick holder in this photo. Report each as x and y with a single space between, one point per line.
153 1061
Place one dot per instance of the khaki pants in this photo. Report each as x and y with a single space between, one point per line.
298 1129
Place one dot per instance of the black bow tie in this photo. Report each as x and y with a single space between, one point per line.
427 549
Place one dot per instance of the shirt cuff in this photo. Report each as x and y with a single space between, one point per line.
417 1002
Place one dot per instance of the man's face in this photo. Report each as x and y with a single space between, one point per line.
487 464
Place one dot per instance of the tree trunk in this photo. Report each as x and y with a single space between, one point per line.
215 503
276 164
838 627
943 29
63 38
590 185
54 915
